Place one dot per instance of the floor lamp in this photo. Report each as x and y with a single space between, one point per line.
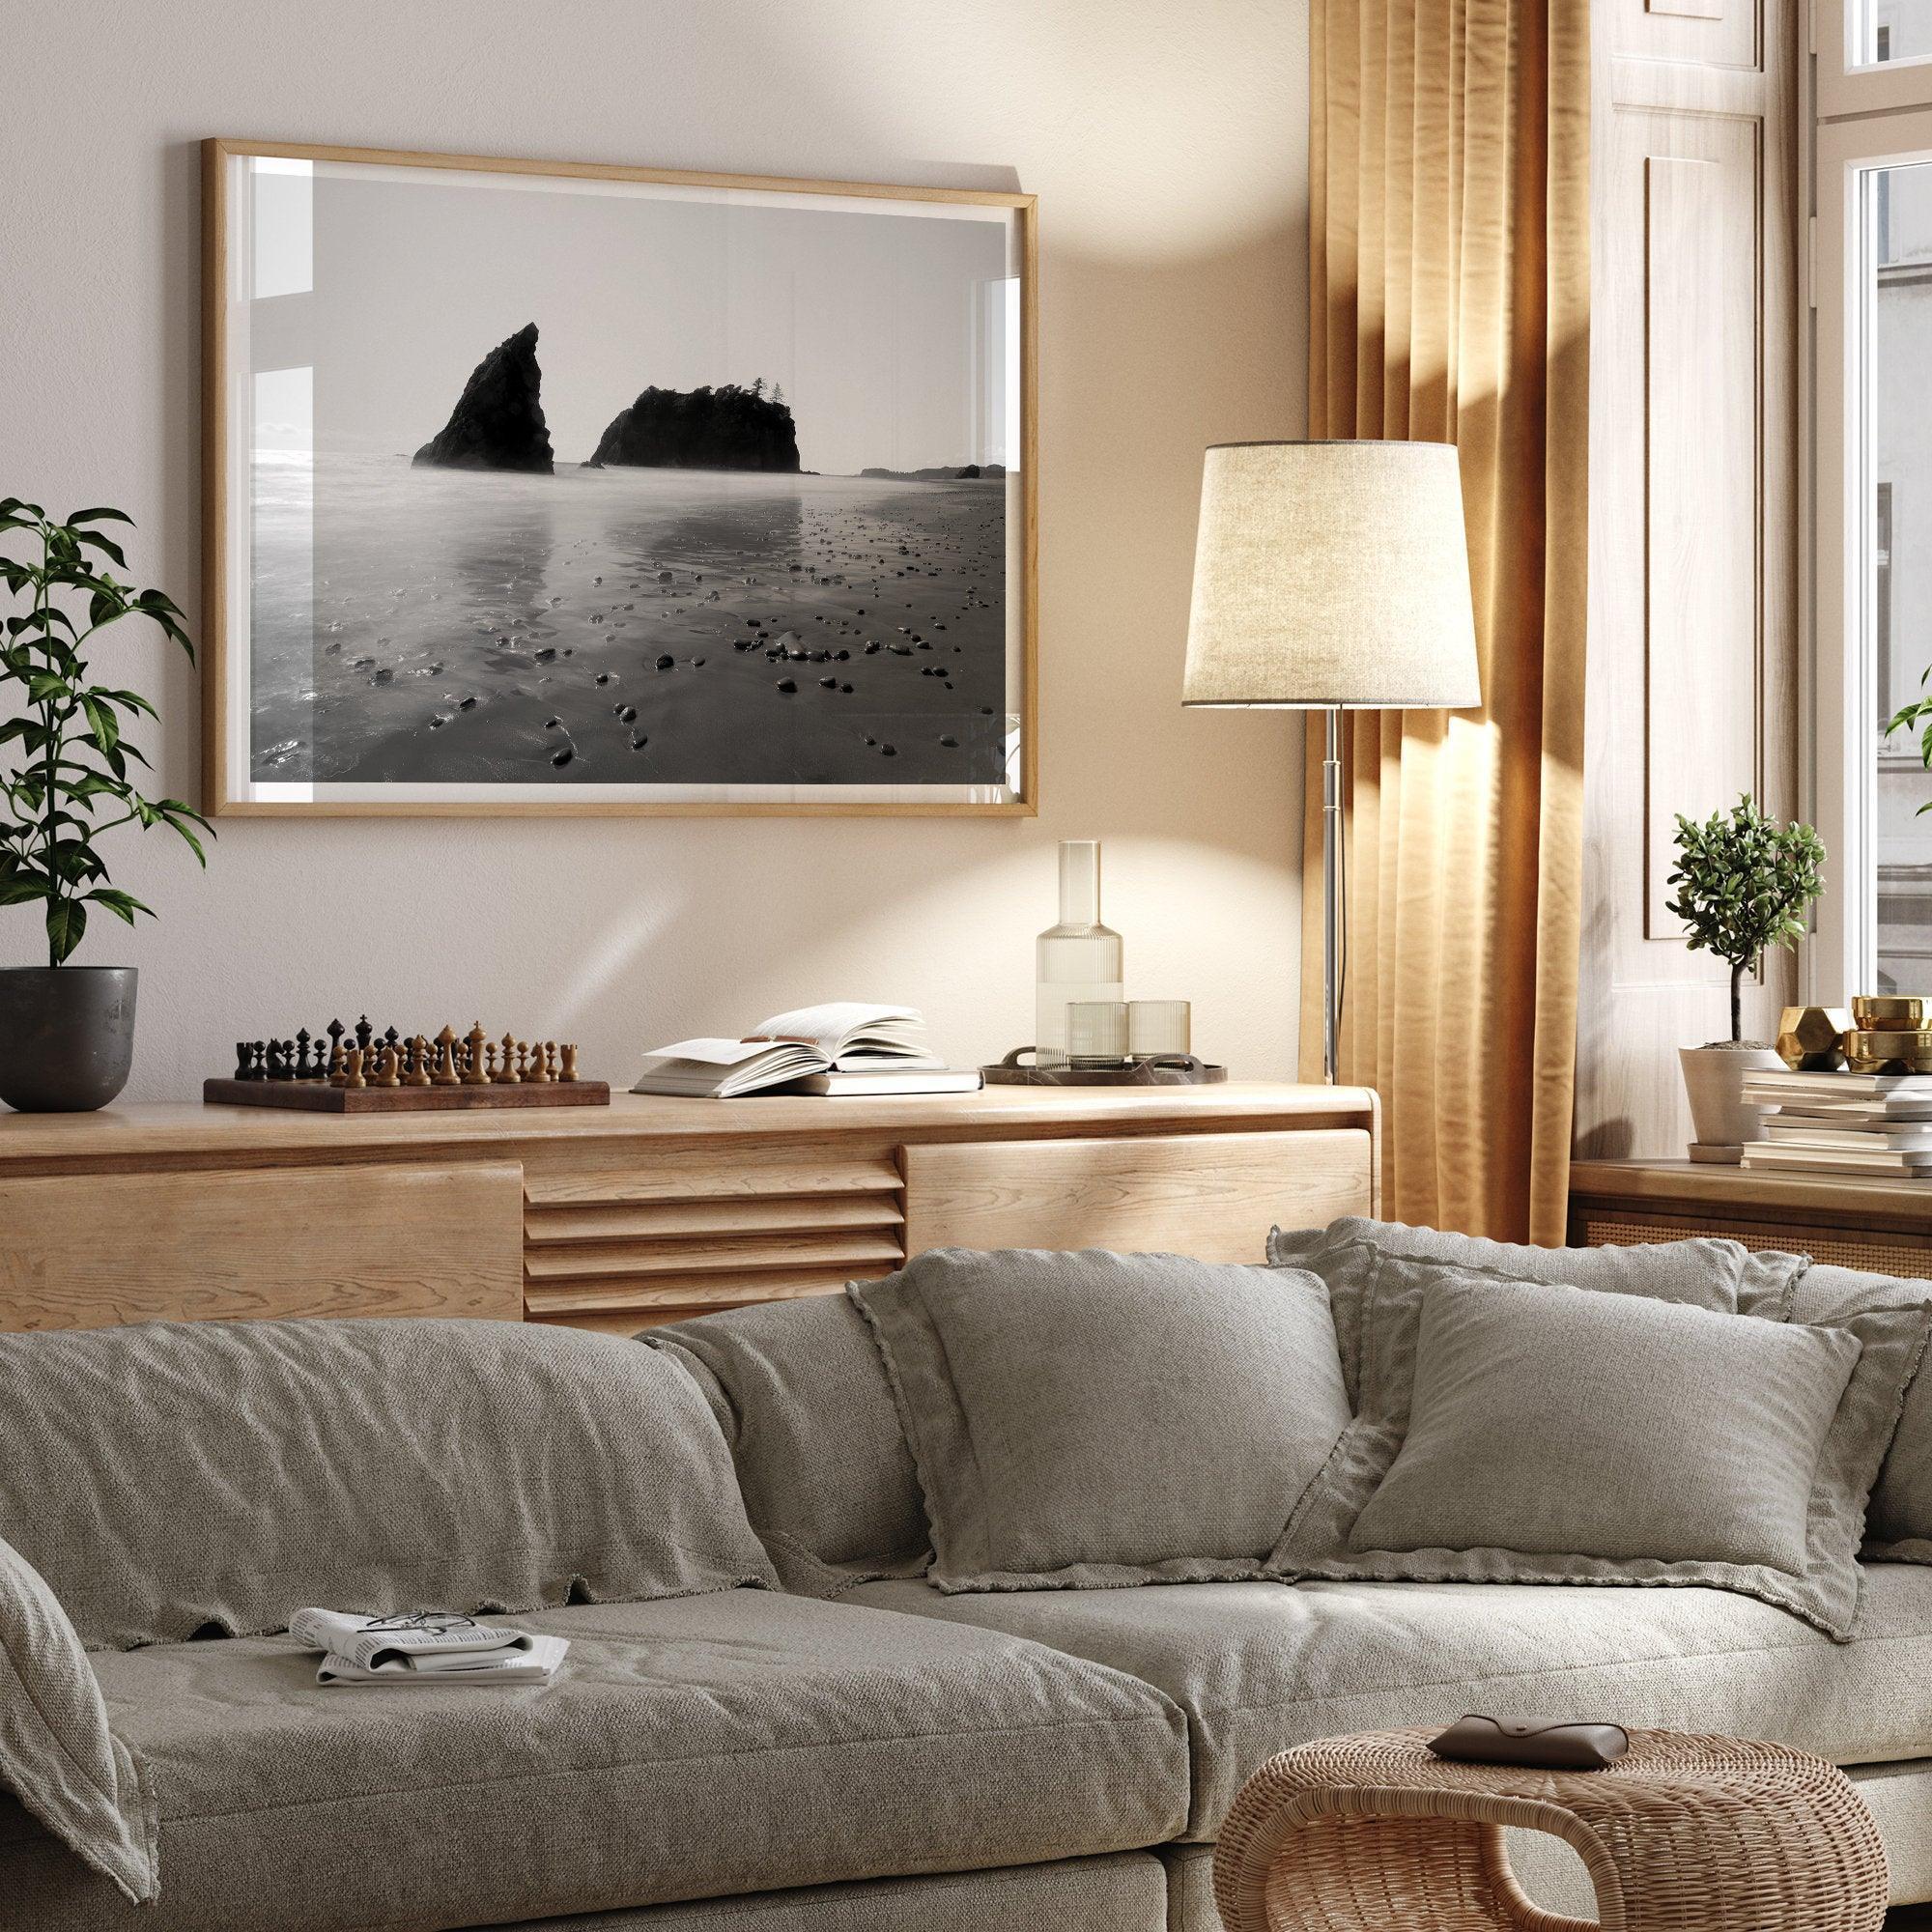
1332 577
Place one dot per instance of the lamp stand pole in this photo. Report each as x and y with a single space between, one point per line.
1331 900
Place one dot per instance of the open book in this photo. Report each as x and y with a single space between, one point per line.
819 1044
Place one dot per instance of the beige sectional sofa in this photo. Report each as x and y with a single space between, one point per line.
846 1748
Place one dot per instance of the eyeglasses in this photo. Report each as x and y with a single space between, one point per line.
422 1620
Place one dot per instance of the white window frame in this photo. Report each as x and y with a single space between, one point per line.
1863 118
1847 86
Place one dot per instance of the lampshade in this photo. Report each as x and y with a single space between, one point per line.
1332 574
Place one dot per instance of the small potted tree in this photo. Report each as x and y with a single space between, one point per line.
1743 883
67 1032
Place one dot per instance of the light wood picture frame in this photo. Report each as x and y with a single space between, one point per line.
736 513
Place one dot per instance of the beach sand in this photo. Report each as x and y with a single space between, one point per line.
625 627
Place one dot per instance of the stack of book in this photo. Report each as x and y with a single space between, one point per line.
1878 1124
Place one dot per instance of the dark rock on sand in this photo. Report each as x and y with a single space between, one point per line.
728 428
498 422
788 685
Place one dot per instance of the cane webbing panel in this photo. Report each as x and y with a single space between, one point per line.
1830 1245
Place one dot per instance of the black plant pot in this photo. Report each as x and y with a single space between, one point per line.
67 1036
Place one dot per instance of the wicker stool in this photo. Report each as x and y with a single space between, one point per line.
1683 1834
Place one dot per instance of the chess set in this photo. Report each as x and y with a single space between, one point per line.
357 1070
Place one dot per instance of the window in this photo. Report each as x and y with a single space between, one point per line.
1872 473
1899 30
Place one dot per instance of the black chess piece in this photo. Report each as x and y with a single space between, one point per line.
278 1060
303 1070
244 1060
393 1037
364 1033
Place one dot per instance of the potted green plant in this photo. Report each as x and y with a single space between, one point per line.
1743 883
67 1032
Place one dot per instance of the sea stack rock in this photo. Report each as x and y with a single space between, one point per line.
731 427
498 422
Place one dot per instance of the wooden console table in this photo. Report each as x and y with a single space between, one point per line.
648 1210
1884 1226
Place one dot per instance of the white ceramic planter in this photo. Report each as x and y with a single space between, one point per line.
1714 1078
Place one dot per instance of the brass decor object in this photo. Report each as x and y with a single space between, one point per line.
357 1070
1870 1051
1890 1013
1886 1032
1683 1833
1811 1039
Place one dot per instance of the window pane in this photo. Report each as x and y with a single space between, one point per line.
1898 602
1897 30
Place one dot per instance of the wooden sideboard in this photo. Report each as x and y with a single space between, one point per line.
648 1210
1884 1226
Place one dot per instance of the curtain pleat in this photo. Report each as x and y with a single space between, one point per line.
1449 294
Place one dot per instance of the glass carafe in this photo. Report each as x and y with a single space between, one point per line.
1077 959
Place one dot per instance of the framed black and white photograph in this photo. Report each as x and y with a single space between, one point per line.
536 487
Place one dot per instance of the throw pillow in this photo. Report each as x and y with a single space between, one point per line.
1898 1524
1090 1421
829 1483
57 1755
235 1471
1720 1275
1528 1433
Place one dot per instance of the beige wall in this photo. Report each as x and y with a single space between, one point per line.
1168 145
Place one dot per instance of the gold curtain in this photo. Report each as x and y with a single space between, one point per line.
1449 244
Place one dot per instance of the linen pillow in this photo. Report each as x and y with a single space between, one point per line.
1090 1421
57 1755
1563 1437
1723 1276
169 1477
1898 1522
828 1481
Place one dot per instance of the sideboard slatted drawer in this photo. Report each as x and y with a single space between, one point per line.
663 1240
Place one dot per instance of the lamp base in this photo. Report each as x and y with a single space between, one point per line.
1332 911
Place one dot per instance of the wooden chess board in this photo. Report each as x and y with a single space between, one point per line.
357 1070
317 1097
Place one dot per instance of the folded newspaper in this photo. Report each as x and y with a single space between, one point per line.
423 1650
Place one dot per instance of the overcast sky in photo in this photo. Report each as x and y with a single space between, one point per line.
394 283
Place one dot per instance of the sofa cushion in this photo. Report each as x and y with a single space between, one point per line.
1125 1893
1722 1276
235 1471
827 1477
690 1748
1606 1362
1091 1420
1898 1524
1260 1667
57 1755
